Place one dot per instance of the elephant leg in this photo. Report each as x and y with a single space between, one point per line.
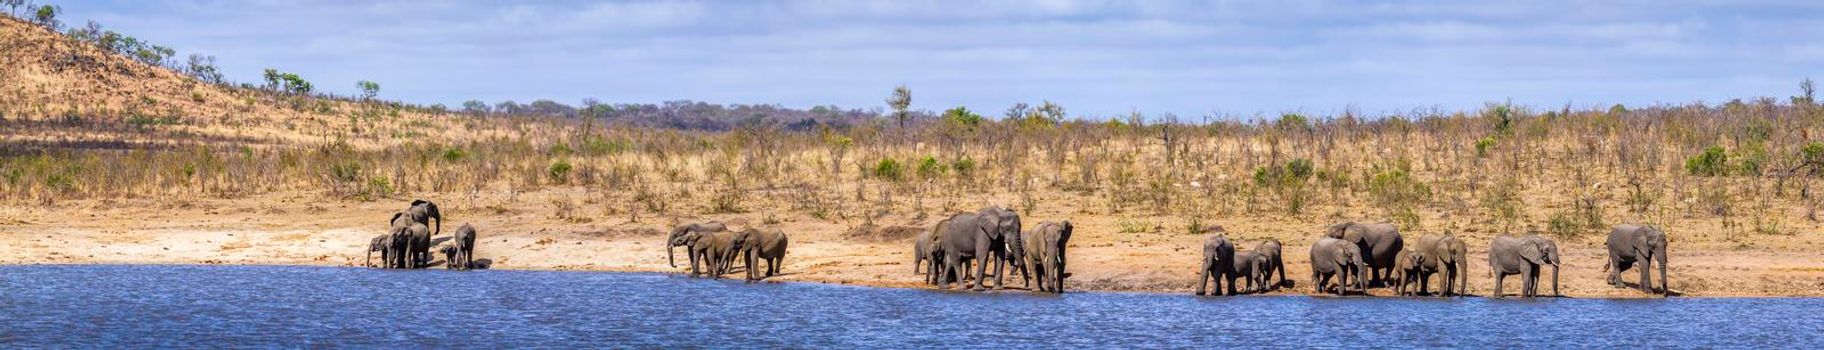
1646 274
1498 278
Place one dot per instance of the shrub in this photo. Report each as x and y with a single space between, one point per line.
453 154
1483 145
559 171
1396 191
377 187
964 167
889 169
929 168
1712 162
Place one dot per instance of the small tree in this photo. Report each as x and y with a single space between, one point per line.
47 16
203 68
900 102
475 107
13 5
368 89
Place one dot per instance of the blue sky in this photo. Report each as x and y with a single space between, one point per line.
1096 58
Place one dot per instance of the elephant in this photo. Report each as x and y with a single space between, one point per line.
420 245
422 211
1331 257
450 254
1628 244
712 249
1250 267
1408 269
1511 255
1015 257
921 252
1218 263
1045 245
676 240
383 244
1276 262
765 244
1378 242
464 243
972 236
1446 256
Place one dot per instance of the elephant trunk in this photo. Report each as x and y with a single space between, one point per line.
669 255
1664 285
1555 279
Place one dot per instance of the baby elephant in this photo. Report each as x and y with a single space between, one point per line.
379 244
449 257
464 245
1252 267
1408 268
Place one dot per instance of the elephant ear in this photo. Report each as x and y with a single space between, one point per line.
1530 252
1336 231
991 226
416 202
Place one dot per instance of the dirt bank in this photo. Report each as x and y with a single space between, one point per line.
518 233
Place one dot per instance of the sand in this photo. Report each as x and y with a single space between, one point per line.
519 232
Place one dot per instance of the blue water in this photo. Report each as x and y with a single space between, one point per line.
135 306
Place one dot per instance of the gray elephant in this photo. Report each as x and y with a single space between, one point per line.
712 249
1378 242
764 244
1629 244
972 236
399 247
383 244
1218 264
422 211
1510 255
450 254
1015 258
1250 267
676 239
1276 263
1408 269
1331 257
1447 257
1045 245
921 252
464 244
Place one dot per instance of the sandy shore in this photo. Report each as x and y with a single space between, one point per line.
301 229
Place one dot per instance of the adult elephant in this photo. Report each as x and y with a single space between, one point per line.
1629 244
1008 223
1378 243
764 244
1447 257
1331 257
420 249
972 236
1276 263
1045 245
1510 255
422 211
1218 263
464 245
676 240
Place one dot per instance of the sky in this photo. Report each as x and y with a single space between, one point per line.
1191 59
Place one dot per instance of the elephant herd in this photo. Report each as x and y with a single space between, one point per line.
713 249
1359 255
408 242
993 235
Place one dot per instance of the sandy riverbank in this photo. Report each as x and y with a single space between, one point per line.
297 229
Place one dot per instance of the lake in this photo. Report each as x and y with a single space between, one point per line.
181 306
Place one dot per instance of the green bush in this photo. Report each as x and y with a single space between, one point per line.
454 154
930 168
1483 145
1714 161
964 167
559 171
889 169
